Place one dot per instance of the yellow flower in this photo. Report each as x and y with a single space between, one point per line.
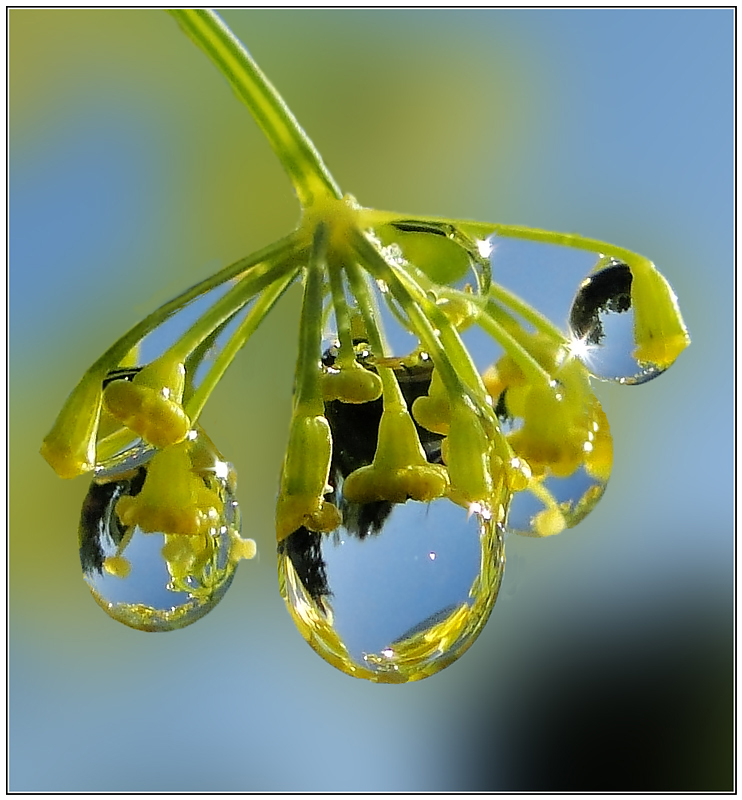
150 404
304 478
69 448
399 471
659 330
174 499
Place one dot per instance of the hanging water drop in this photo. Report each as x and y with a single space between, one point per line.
398 591
602 326
557 499
149 574
439 252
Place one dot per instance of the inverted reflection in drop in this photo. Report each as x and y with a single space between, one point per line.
398 600
601 323
554 502
159 581
399 590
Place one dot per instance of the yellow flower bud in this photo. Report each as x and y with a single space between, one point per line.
434 411
505 375
117 566
69 448
494 382
173 499
150 404
241 549
468 456
659 331
557 421
304 478
549 522
599 457
350 383
399 471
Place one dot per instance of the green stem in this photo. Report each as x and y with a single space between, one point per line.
198 356
527 312
571 240
260 276
442 345
308 390
392 393
247 327
574 240
299 157
342 317
513 347
481 230
112 357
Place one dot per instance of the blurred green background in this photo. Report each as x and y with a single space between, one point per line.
134 171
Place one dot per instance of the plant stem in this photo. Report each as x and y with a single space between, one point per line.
247 327
541 323
482 230
573 240
444 345
342 317
118 350
299 157
513 347
308 392
262 275
391 391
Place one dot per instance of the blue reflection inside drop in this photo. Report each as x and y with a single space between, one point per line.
397 601
157 581
602 325
576 496
386 586
398 591
613 360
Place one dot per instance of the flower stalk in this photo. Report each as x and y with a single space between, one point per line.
299 157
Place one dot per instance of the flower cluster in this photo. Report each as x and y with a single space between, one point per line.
371 431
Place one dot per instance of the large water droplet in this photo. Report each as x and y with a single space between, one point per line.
398 592
159 581
601 323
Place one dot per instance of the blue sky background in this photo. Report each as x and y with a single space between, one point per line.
134 172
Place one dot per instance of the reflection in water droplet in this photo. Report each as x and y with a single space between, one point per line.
371 599
602 326
160 581
555 502
398 591
440 252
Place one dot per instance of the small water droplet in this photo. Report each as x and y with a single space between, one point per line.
553 502
159 581
601 323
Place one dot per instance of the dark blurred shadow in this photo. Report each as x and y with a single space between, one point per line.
614 710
